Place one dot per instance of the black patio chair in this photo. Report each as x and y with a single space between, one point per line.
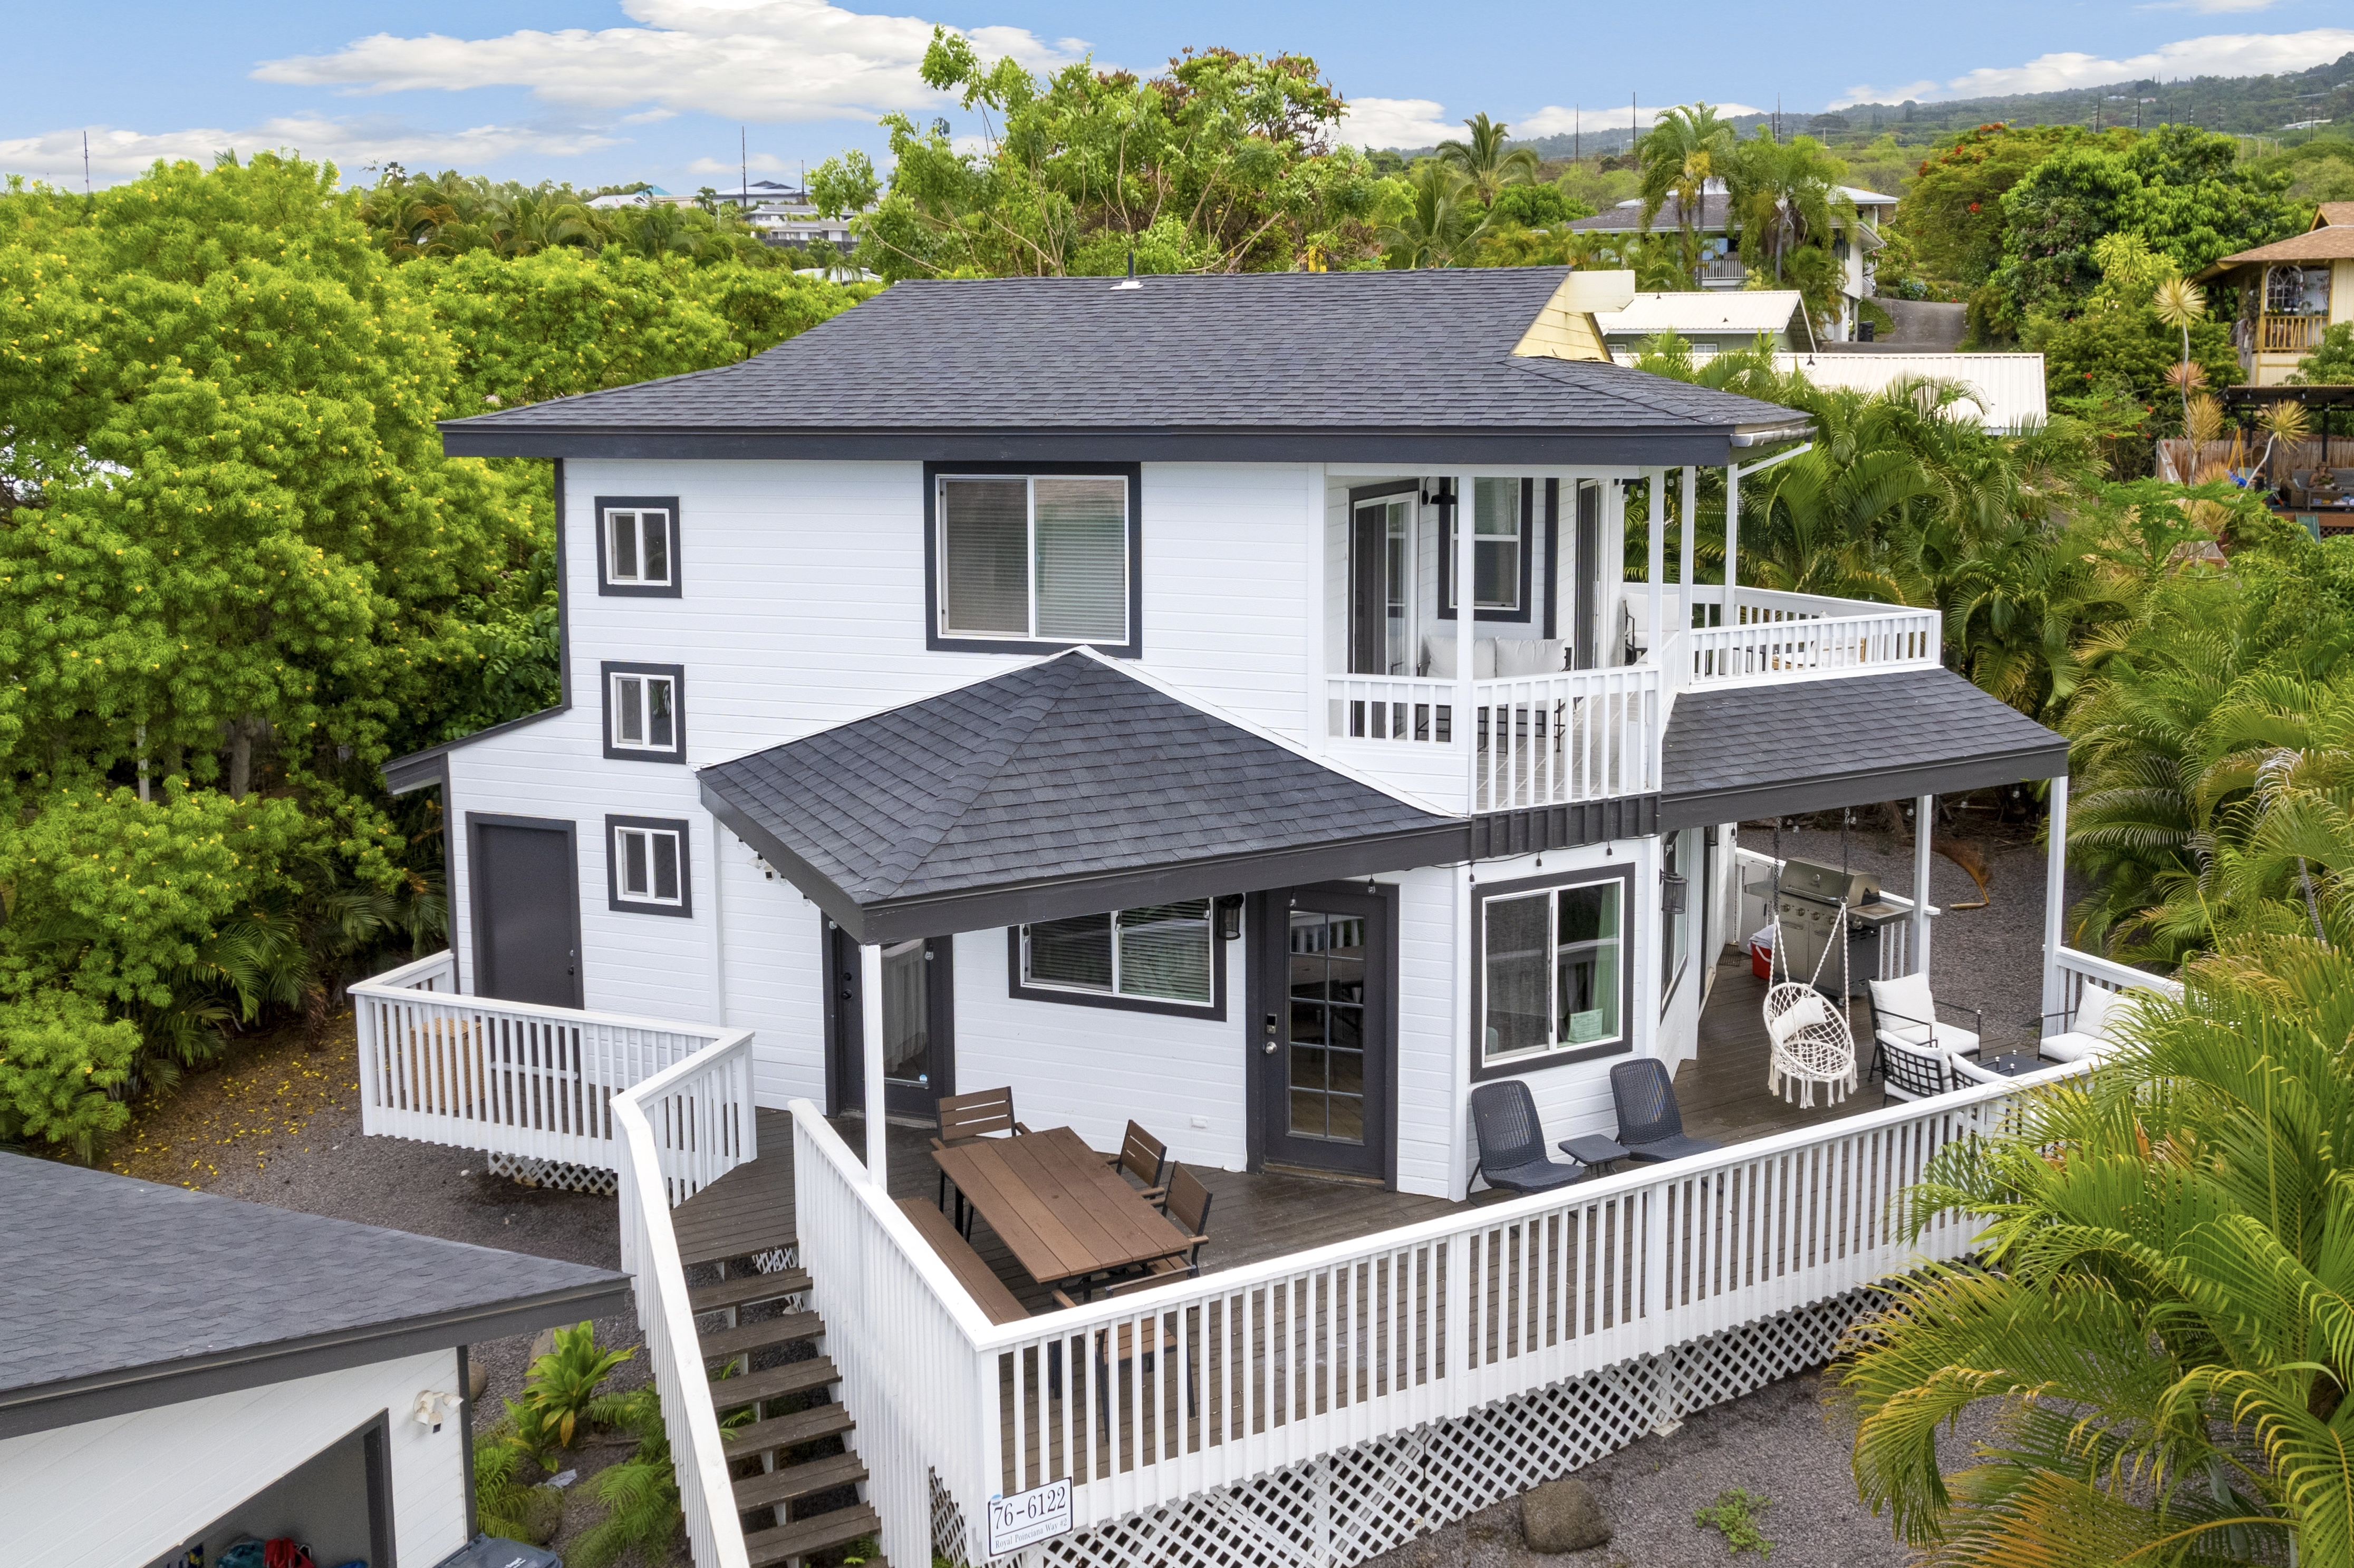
1649 1124
1512 1140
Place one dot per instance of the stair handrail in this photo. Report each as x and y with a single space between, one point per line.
666 1313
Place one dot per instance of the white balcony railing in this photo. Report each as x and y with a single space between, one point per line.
1256 1368
667 1106
510 1077
1538 740
1796 637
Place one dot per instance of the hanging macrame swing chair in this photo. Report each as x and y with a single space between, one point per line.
1811 1041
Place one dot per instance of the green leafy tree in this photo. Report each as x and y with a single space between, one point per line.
1487 162
1436 224
2331 363
1225 164
1783 196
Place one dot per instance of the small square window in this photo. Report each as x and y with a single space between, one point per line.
646 866
643 717
637 546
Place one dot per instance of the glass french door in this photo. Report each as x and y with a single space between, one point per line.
918 1021
1324 1045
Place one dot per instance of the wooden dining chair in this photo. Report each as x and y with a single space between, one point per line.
967 1118
1146 1157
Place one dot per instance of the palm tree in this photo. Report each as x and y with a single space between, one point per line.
1437 228
2157 1315
2179 302
1782 196
1485 162
1684 149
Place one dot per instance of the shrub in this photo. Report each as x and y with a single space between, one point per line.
561 1388
59 1056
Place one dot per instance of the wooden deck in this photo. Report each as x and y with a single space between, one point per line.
1263 1215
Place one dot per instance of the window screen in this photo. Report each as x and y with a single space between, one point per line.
1498 538
1159 953
637 548
1552 976
1041 558
648 864
646 712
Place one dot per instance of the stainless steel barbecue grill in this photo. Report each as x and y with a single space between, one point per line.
1808 898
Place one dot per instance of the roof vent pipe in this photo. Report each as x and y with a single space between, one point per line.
1131 282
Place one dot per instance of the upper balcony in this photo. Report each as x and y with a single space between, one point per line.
1575 736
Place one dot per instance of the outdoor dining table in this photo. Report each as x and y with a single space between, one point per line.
1061 1209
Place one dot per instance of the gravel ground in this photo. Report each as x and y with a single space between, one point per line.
1779 1443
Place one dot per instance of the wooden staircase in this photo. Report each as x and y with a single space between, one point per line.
802 1449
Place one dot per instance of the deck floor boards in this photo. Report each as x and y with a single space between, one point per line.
1255 1216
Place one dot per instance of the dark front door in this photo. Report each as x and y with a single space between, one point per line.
1327 1006
919 1024
526 906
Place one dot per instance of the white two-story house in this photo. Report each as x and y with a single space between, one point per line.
1068 685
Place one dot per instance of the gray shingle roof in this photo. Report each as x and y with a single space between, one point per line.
1064 781
1247 351
1715 210
122 1295
1818 745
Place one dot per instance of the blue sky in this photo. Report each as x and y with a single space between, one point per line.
605 91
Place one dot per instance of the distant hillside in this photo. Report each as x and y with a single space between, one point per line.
2242 105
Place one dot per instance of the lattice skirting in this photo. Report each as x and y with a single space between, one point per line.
553 1173
1338 1510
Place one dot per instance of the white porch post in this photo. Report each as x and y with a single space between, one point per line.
1684 543
1923 813
2055 898
870 1034
1656 483
1731 539
1467 632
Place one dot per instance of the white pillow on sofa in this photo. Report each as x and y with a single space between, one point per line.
2105 1014
1518 657
1438 657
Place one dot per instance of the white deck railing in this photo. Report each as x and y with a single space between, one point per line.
676 1132
1538 740
1256 1368
1796 637
2079 969
510 1077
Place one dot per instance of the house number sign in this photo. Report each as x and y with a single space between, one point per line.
1027 1518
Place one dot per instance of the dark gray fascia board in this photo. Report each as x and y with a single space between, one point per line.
1829 792
69 1402
988 908
1703 446
431 766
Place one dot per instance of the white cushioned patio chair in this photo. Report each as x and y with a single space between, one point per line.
2094 1026
1905 1012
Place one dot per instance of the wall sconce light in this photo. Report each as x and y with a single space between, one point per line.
1671 892
1230 916
432 1409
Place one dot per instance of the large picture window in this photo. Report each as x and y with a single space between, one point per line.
1501 558
1553 971
1158 958
1033 558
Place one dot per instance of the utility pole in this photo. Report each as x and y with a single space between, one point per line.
85 163
1634 120
1576 134
743 167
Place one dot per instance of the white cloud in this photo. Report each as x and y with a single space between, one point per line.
748 60
116 154
2208 7
2220 54
1397 122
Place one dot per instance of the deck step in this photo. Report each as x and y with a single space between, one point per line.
767 1548
726 1344
787 1482
749 1289
772 1382
801 1427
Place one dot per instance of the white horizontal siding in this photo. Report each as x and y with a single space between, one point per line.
122 1491
1095 1068
776 976
1430 1086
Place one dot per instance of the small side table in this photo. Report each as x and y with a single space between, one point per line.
2011 1063
1593 1151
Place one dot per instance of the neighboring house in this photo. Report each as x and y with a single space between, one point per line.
2006 388
180 1369
1712 320
651 196
2291 291
1721 266
1065 684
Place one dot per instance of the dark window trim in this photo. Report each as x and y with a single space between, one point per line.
1446 509
1561 1057
1669 983
933 639
605 673
475 890
613 897
612 589
1552 557
376 1465
1216 1012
